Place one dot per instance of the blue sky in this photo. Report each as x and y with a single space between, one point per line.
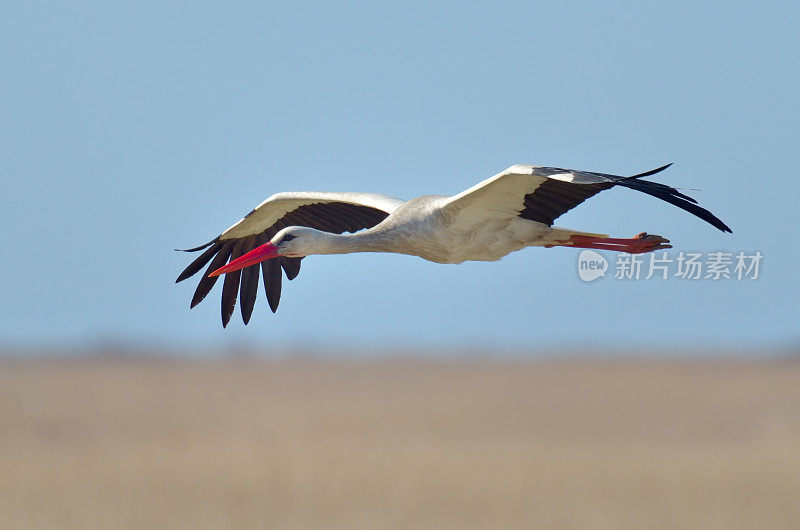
129 130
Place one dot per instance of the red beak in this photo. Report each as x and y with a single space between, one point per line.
257 255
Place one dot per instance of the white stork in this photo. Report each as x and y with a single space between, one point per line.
507 212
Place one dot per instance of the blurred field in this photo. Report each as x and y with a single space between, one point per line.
99 443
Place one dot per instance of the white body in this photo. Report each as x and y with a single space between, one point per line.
424 227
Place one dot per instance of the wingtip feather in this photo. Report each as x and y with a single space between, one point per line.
648 173
201 247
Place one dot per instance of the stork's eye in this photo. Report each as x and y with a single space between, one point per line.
288 237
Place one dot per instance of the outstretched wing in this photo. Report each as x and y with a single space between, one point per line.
545 193
331 212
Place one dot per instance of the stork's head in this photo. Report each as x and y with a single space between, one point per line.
297 241
291 242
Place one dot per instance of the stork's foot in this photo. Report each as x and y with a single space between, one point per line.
651 242
639 244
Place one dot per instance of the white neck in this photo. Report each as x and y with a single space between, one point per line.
364 241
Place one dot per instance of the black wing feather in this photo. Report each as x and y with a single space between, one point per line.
648 173
248 288
207 282
230 287
200 262
271 270
291 266
673 196
554 198
201 247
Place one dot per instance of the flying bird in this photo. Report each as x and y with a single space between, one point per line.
507 212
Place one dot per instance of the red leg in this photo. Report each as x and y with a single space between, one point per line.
639 244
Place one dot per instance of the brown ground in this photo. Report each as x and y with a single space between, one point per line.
106 444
